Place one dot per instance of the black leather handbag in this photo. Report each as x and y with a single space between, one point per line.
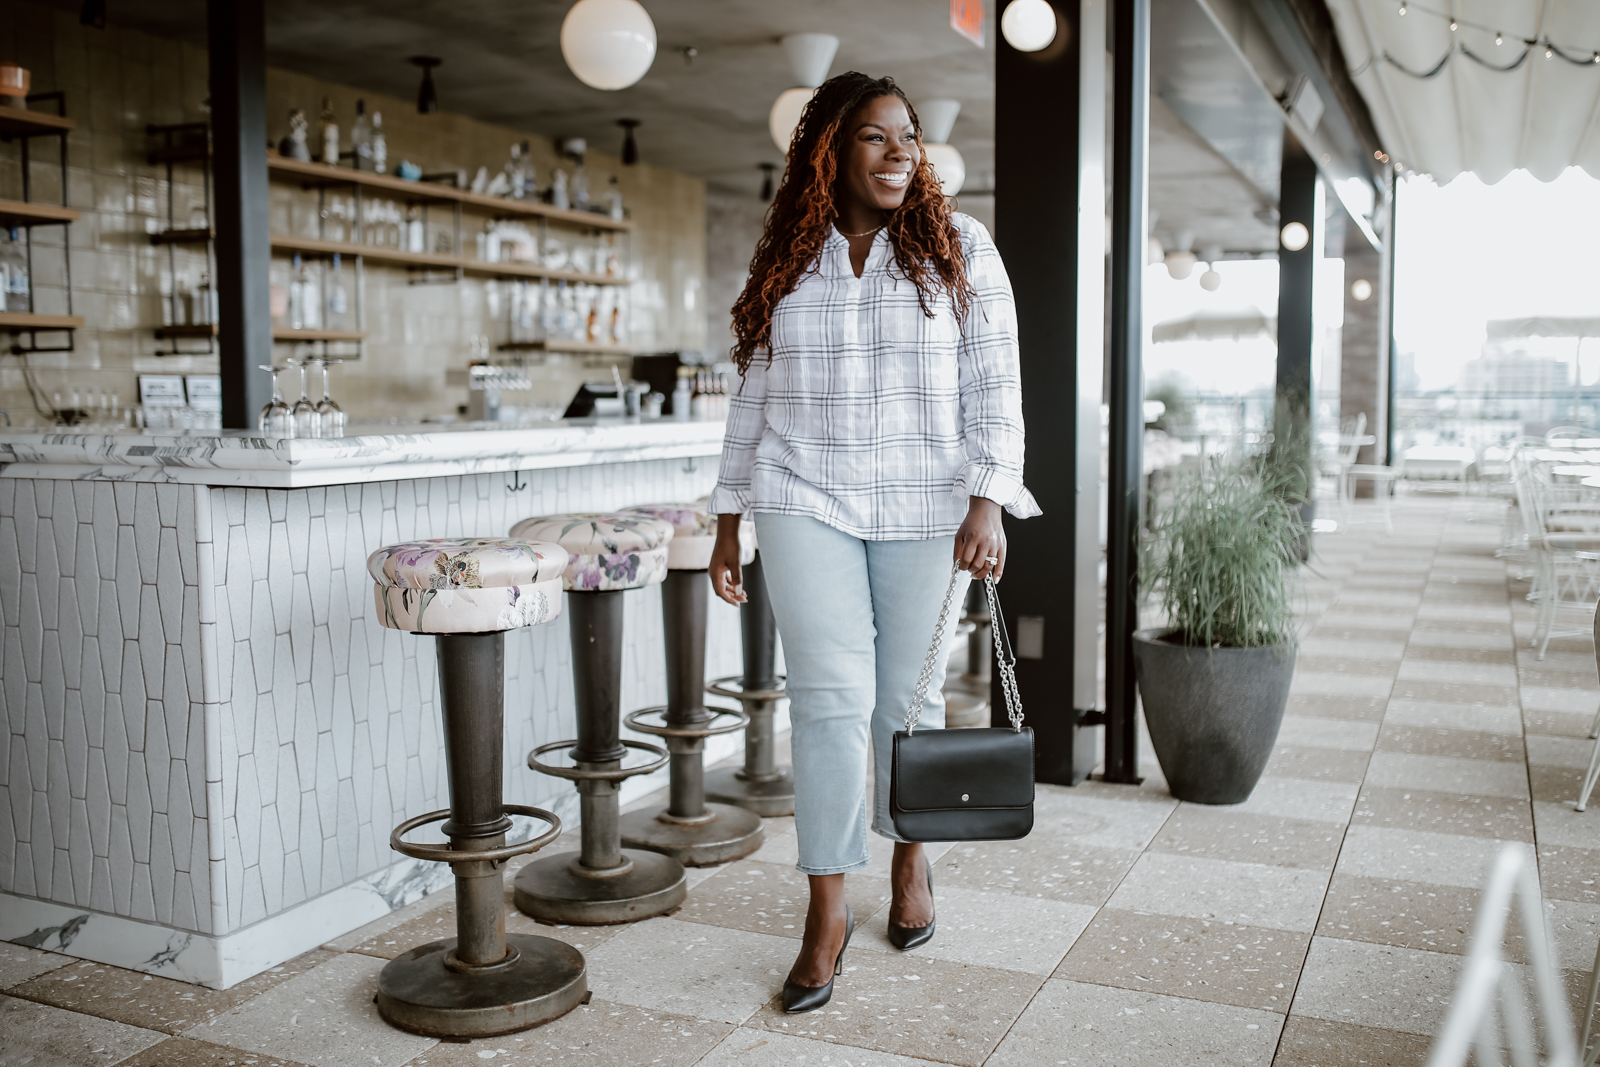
964 785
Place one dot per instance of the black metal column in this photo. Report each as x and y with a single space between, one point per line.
237 31
1049 149
1300 200
1130 142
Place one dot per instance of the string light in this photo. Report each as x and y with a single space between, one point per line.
1549 53
1402 7
1499 38
1452 25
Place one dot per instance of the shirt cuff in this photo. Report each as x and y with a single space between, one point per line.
726 501
1002 488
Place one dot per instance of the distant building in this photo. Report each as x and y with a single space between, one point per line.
1508 383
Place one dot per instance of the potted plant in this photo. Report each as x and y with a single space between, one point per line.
1215 680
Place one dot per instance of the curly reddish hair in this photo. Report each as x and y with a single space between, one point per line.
927 245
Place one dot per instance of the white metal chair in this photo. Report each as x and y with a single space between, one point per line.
1564 539
1593 773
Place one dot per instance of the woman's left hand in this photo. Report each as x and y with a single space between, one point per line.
982 539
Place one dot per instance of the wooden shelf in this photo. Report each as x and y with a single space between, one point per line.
319 335
183 237
313 173
16 120
22 320
23 213
314 246
598 348
190 330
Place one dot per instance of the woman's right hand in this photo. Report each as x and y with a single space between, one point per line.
727 577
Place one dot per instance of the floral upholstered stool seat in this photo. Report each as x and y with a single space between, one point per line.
688 829
603 882
483 981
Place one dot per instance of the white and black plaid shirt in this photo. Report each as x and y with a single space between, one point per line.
873 417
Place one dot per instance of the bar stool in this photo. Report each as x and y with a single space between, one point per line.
760 785
482 982
688 829
602 882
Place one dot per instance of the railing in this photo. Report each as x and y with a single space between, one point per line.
1490 1012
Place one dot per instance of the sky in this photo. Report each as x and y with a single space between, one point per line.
1469 252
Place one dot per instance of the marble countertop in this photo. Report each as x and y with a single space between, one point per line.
370 453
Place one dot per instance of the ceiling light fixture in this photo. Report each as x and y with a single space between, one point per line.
938 118
427 96
1499 38
1029 25
810 54
608 44
1211 281
630 147
1295 236
1360 290
1402 7
1549 53
1453 26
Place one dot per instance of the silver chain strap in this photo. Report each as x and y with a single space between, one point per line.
1008 677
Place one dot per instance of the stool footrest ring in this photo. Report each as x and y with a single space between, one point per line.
446 854
666 729
578 774
733 688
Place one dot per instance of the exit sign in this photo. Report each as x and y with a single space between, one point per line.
966 18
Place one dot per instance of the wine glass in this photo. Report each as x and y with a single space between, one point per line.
307 423
277 418
330 414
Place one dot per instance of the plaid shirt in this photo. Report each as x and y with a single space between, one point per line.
873 417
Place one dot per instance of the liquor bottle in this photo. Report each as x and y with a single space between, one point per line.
530 188
682 395
580 186
591 323
558 191
14 266
338 299
515 189
416 240
297 297
361 138
310 298
329 134
204 309
380 145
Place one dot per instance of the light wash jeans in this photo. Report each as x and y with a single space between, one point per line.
856 618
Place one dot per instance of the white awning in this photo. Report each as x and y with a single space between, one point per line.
1216 326
1446 102
1543 326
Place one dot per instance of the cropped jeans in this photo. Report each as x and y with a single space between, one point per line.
856 618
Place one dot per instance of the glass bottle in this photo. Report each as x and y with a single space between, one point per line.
310 299
297 297
338 298
14 264
530 186
361 138
380 145
514 174
329 135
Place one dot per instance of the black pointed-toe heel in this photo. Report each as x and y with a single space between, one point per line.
799 998
909 937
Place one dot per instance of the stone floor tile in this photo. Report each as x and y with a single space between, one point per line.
693 969
1369 624
1556 785
1558 723
1305 731
1372 598
439 922
1346 663
40 1035
1455 692
1255 894
768 899
1547 751
597 1034
1555 823
1446 774
1347 643
1327 683
1125 821
187 1052
1418 856
1567 873
1311 1042
1456 743
324 1017
768 1048
913 1006
1575 927
1354 709
1051 869
1455 654
1541 698
780 848
1251 967
1225 833
989 930
151 1002
18 963
1384 911
1300 798
1539 677
1318 764
1380 986
1460 633
1506 719
1444 813
1425 669
1456 614
1088 1026
1576 662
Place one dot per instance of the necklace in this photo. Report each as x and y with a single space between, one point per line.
863 233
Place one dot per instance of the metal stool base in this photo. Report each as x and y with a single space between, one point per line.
417 992
964 710
768 799
729 834
549 889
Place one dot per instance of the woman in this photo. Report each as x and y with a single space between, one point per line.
876 435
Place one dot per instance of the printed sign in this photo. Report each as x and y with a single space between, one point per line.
161 390
966 18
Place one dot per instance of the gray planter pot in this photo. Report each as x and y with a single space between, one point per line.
1213 713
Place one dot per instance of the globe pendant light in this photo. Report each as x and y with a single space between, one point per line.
938 117
608 44
1029 25
810 54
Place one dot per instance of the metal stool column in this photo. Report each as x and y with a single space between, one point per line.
688 829
760 785
482 982
967 704
603 882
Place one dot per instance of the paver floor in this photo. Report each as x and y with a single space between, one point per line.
1320 923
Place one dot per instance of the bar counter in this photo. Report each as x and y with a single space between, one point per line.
210 737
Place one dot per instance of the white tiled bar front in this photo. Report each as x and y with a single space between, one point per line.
209 735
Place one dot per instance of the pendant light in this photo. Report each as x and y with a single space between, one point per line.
938 117
427 97
810 54
608 44
1181 260
1028 25
1295 236
1211 281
